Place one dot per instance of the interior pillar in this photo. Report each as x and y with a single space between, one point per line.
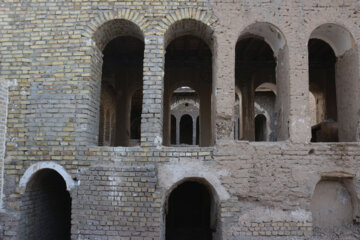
194 130
178 130
248 111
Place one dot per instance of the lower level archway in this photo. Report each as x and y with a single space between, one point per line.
190 212
45 208
331 204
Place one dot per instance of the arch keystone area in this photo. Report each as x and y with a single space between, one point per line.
106 17
33 169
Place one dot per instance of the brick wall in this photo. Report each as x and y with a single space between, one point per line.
3 118
49 53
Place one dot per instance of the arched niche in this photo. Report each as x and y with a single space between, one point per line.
332 204
338 67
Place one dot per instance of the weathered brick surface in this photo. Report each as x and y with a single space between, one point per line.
3 118
50 58
126 199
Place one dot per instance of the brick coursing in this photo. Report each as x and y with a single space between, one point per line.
50 54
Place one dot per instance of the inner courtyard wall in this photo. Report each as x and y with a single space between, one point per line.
54 66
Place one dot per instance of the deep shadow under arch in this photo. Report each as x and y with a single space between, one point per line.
45 208
189 212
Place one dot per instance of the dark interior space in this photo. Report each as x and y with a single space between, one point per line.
255 65
188 62
46 208
186 129
322 85
121 90
136 110
260 128
189 214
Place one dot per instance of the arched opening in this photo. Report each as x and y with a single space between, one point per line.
121 83
331 204
265 100
186 130
188 63
189 213
184 102
256 65
261 77
333 80
45 207
322 85
260 128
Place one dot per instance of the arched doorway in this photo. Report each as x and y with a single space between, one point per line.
190 213
186 129
45 208
260 128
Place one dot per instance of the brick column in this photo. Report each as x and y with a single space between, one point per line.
152 116
299 115
224 86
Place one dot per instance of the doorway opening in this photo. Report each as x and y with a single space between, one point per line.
190 213
45 208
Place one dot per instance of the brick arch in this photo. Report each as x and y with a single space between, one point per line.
110 24
33 169
200 23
